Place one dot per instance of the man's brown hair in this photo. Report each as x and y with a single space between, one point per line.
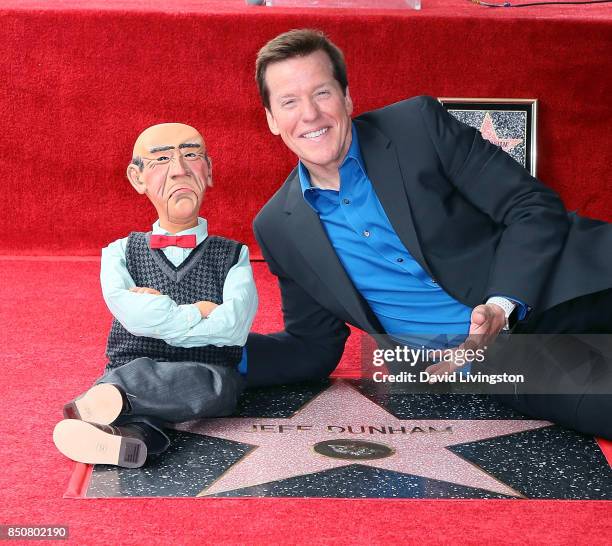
297 43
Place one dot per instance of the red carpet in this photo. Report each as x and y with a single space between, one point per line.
53 339
79 80
83 79
606 447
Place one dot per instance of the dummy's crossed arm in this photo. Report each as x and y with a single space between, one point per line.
144 313
205 307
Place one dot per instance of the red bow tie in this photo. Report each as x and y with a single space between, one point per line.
183 241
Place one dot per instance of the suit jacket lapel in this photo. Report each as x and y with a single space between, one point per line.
311 240
383 168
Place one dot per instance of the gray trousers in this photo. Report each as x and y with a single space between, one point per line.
173 392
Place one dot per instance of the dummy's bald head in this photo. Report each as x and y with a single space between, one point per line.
166 136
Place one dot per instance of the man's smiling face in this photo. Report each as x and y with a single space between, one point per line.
310 112
175 173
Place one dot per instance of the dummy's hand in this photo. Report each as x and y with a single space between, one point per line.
205 307
145 290
486 323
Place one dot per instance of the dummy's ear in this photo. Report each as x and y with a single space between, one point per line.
272 123
348 102
209 178
133 175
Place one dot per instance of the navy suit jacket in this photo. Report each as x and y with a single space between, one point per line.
472 217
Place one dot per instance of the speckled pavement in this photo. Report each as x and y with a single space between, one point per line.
351 439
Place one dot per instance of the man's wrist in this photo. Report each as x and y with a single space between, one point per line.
507 306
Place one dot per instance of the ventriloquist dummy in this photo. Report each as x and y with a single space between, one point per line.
183 302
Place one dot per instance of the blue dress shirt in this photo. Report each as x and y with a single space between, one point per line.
409 304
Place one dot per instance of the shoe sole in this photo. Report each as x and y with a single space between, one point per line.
84 443
101 404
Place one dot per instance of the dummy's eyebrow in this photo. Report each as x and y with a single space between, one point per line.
160 149
167 147
189 145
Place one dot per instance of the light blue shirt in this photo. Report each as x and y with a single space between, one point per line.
160 317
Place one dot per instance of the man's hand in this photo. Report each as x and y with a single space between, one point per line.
205 307
486 323
145 290
439 369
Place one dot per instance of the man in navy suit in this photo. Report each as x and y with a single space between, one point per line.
405 221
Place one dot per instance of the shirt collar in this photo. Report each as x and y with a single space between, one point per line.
200 231
353 154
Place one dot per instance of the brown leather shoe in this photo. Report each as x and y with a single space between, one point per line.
101 404
100 444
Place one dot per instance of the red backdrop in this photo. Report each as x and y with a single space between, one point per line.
79 84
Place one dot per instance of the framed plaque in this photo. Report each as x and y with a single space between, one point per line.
508 123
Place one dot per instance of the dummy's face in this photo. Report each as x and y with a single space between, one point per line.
309 110
176 171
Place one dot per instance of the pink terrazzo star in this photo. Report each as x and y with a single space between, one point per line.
283 448
488 131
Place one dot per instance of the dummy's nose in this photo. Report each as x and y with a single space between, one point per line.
178 166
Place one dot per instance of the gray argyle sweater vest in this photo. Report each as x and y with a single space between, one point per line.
200 277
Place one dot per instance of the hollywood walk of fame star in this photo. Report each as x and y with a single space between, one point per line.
284 448
487 129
